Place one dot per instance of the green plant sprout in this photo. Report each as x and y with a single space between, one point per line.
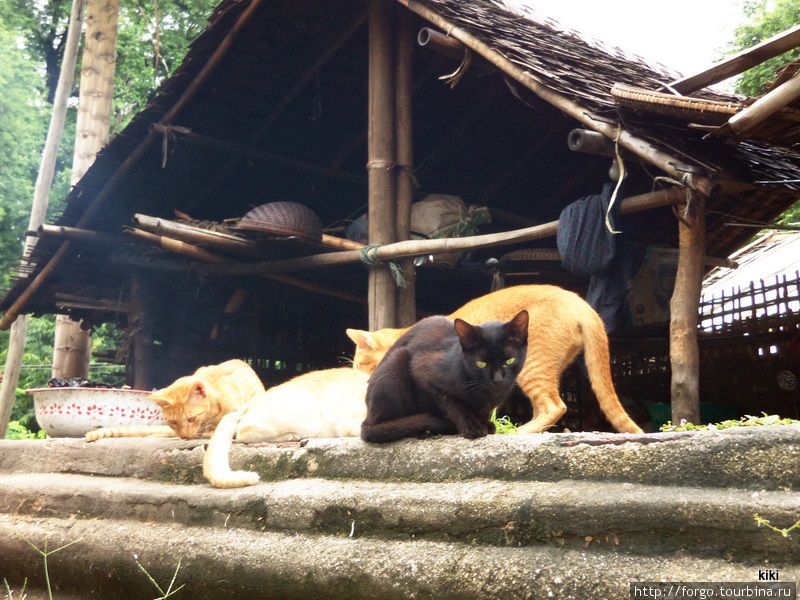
745 421
502 424
170 592
10 593
762 522
44 554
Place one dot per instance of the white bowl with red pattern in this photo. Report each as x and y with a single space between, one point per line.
74 411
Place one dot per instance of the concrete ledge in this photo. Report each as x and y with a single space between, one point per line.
631 517
237 563
756 458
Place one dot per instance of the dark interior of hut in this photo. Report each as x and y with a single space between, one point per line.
484 140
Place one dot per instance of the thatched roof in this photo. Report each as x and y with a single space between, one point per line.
482 140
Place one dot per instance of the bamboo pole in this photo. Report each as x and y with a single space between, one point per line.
381 212
191 251
447 46
81 235
404 126
747 119
141 149
640 147
740 62
684 352
234 148
634 204
41 191
224 241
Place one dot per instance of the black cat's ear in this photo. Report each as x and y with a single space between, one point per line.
518 327
467 334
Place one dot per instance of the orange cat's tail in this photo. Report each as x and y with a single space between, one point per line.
598 364
132 431
216 467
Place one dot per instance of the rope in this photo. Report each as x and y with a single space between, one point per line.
369 257
621 177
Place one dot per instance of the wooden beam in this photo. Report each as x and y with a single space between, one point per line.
404 126
138 152
141 325
749 118
81 235
381 211
234 148
648 152
449 47
740 62
684 352
633 204
227 242
194 252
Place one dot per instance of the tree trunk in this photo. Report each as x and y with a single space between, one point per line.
73 345
684 352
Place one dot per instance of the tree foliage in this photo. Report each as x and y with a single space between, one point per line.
153 38
764 20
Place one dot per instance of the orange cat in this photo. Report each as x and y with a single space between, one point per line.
193 405
561 325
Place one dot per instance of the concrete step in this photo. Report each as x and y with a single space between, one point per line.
239 563
756 458
634 518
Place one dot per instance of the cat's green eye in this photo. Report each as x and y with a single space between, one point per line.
480 363
511 361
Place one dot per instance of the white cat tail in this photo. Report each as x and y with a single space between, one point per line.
216 467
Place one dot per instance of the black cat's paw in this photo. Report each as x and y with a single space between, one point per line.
490 428
475 431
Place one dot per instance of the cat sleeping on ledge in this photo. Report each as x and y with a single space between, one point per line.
193 405
561 325
327 403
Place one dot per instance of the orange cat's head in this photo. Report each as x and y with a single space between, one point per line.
371 346
186 407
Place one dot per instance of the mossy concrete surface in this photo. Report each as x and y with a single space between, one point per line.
517 516
754 457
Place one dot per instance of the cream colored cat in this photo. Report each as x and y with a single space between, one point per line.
561 325
193 405
328 403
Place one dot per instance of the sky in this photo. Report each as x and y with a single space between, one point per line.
685 35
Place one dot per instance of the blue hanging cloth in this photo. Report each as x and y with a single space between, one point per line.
588 248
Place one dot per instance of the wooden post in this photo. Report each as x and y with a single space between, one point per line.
141 324
382 291
684 353
41 191
404 91
73 343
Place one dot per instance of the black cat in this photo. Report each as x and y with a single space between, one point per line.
444 377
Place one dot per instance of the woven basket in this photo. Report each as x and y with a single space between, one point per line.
685 108
283 219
